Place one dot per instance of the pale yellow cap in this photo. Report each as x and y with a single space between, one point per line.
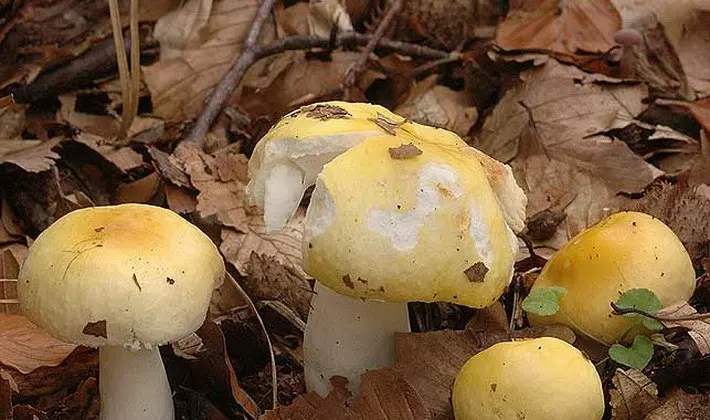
128 275
533 379
425 227
627 250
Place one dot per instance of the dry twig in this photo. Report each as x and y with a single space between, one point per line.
360 64
252 52
622 311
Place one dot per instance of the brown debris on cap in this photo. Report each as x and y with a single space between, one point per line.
405 151
97 329
477 272
326 112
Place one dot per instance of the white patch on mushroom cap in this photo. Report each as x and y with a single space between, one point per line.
403 227
481 235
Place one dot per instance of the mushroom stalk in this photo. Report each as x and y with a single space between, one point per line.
347 337
133 385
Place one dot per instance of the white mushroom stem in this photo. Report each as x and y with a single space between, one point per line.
347 337
133 385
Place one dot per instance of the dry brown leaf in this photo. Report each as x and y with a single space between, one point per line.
145 190
125 158
284 245
180 199
216 364
25 347
698 330
685 26
430 361
558 153
10 223
100 125
268 279
39 158
433 104
699 109
181 79
568 27
217 197
384 395
679 405
293 19
291 78
633 395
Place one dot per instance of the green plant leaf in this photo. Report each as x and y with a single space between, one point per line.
544 301
637 356
644 300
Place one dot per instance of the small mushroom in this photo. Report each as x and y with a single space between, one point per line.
628 39
532 379
96 277
627 250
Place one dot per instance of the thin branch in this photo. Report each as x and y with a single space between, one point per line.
359 66
352 39
294 43
232 78
661 318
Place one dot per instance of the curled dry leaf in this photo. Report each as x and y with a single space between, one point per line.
215 364
284 245
384 395
39 158
566 28
698 330
633 395
433 104
181 79
270 280
223 198
548 125
25 347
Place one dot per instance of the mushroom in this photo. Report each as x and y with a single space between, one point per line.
628 39
627 250
361 297
396 219
532 379
286 161
126 279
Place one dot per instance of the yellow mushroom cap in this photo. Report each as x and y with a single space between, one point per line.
425 226
534 379
627 250
286 161
128 275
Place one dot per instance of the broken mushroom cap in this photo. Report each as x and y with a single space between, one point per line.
532 379
130 275
288 158
400 219
627 250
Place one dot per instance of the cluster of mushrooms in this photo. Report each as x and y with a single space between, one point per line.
399 212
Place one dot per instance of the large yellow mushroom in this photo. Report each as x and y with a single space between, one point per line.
532 379
627 250
400 212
